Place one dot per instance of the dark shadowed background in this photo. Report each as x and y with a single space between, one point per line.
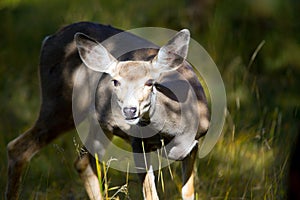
255 44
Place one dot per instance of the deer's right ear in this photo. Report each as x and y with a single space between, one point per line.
172 55
94 55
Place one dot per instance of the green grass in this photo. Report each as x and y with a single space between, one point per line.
252 157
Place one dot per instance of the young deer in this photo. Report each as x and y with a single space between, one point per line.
149 88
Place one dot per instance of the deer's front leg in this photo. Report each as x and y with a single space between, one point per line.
188 175
149 187
145 170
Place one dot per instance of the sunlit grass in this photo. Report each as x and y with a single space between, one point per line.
239 169
103 180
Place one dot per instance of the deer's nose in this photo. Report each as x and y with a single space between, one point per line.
129 112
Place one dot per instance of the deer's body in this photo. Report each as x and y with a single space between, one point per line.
132 92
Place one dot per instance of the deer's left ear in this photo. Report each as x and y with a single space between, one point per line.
173 54
94 55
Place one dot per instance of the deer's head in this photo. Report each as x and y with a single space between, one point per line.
134 81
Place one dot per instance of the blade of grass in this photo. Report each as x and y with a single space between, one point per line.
159 165
98 168
105 180
144 153
169 165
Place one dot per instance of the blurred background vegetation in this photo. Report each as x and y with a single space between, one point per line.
250 161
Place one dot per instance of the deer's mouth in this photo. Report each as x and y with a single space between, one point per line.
132 120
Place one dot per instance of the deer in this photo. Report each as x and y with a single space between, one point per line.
148 88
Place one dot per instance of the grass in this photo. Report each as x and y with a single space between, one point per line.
103 180
256 49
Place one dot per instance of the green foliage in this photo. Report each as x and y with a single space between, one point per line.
251 159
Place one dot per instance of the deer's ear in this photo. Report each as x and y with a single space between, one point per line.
173 54
94 55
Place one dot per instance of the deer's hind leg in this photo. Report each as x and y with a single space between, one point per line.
86 163
50 124
88 176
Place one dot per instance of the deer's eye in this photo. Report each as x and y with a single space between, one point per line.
116 82
149 83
